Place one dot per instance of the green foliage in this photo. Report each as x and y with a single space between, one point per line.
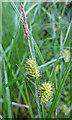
49 31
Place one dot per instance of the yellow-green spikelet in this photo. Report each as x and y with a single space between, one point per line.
66 55
45 92
64 109
32 69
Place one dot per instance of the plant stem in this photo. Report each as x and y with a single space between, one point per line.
43 111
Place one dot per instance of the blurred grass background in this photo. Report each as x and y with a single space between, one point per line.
49 28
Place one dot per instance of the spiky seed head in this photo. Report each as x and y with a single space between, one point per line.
66 55
45 92
32 68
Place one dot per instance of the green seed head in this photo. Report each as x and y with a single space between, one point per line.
57 68
64 109
66 55
45 92
32 69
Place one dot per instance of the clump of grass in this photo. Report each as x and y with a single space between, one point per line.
47 32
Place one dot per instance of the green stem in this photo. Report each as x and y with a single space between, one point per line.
43 111
36 80
30 48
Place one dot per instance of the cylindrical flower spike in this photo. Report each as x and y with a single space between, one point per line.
45 92
25 25
32 69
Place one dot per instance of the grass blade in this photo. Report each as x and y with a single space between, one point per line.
35 99
50 62
17 82
7 93
31 8
41 58
58 92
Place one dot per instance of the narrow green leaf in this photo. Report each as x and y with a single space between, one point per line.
31 8
7 93
41 58
58 92
50 62
11 82
46 12
17 82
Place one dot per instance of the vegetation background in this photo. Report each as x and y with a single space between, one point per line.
50 34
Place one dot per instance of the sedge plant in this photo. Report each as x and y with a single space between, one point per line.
49 39
45 92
